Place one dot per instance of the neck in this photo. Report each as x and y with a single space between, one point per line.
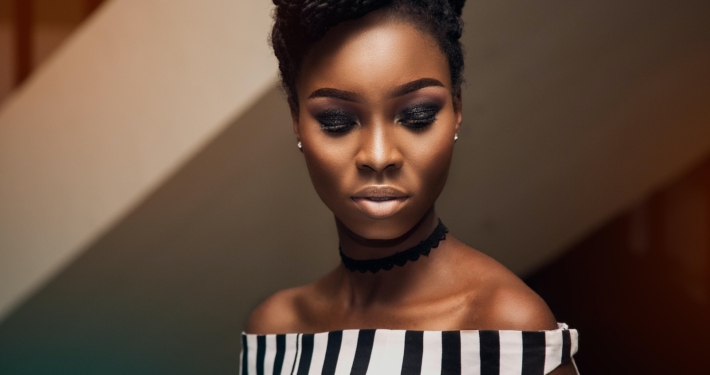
366 288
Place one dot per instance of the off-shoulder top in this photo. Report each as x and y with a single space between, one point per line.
405 352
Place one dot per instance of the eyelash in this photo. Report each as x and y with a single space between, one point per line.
417 118
336 121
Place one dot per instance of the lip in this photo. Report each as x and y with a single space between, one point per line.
379 202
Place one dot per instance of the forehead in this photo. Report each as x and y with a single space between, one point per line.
370 56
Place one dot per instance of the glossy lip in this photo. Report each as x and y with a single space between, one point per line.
380 201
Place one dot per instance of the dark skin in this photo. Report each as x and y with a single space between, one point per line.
377 119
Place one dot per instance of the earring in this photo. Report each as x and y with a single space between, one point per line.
299 145
456 137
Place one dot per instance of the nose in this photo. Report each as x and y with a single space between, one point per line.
379 150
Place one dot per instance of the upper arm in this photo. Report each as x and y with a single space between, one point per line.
565 369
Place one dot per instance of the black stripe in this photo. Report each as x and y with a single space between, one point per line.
413 352
365 338
306 354
280 352
335 339
260 354
490 352
451 353
295 357
245 353
533 353
566 346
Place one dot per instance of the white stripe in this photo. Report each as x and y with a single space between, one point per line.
251 354
511 352
470 353
299 350
347 352
553 349
431 356
378 357
289 353
394 352
575 340
270 354
320 344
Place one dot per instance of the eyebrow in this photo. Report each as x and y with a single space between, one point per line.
396 92
335 93
414 86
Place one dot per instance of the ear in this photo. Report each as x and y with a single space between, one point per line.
458 116
296 124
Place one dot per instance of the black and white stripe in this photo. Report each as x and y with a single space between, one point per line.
383 351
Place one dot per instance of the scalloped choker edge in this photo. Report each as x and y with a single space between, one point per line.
400 258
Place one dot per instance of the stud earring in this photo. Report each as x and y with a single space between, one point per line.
299 145
456 137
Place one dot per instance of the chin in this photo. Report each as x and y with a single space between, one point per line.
381 229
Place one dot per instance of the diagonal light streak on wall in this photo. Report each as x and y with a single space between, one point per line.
132 95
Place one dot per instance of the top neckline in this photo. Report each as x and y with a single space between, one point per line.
560 327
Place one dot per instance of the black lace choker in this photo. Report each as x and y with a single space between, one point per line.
400 258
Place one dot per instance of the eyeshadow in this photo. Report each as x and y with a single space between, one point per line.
336 120
419 115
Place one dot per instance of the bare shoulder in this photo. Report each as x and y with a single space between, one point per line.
276 314
290 310
503 301
514 306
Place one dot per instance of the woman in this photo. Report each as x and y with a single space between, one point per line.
374 89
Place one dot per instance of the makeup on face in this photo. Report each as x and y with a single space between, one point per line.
419 115
377 122
339 111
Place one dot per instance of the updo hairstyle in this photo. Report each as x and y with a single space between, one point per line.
298 24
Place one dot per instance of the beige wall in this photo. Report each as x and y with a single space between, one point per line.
140 88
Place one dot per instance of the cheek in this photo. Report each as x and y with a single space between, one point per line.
429 157
430 163
328 170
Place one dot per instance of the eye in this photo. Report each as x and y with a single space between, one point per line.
336 120
419 116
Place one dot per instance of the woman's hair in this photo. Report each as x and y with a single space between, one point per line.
301 23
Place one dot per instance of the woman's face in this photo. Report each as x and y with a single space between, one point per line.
377 123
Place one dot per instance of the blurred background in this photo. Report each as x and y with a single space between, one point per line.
151 193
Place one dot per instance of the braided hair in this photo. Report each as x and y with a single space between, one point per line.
298 24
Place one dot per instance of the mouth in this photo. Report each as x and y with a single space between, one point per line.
377 199
380 202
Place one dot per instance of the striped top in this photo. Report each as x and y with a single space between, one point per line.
391 352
